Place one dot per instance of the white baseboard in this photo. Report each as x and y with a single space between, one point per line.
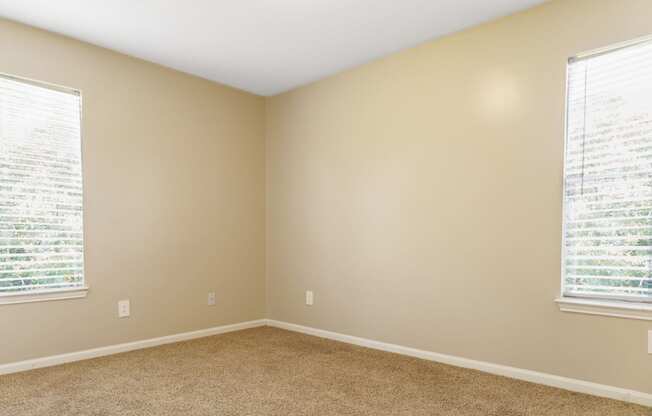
565 383
130 346
579 386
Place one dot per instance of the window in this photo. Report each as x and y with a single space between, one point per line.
41 232
607 248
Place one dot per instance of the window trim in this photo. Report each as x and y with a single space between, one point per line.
63 293
589 305
612 308
44 296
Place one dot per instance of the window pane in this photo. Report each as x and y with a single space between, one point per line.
41 231
608 176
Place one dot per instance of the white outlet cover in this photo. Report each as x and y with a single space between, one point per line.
211 298
649 342
124 308
310 298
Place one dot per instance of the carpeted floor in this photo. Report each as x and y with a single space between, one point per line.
267 371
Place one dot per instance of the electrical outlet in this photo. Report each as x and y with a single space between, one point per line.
123 308
211 298
310 298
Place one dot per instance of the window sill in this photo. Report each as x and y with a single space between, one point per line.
614 309
44 296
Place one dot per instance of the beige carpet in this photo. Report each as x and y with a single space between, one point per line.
267 371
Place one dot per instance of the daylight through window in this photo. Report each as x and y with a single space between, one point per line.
41 231
607 245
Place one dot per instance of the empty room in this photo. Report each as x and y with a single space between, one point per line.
326 207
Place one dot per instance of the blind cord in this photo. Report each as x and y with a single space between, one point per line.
586 77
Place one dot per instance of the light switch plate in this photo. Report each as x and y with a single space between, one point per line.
124 308
310 298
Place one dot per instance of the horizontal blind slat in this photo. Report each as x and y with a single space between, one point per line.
20 288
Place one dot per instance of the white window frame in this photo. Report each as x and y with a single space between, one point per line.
66 293
589 305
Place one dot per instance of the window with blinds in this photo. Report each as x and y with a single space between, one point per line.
607 248
41 232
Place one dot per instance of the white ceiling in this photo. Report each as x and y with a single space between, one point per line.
262 46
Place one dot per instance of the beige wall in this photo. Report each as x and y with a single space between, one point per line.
174 200
419 196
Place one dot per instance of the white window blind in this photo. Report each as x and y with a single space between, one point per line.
41 232
608 175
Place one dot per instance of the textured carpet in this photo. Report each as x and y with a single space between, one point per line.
267 371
